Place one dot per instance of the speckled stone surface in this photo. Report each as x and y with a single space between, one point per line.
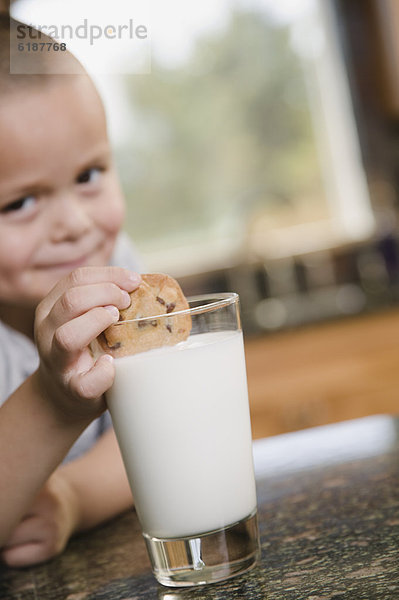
329 524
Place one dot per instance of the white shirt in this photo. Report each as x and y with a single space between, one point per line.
19 357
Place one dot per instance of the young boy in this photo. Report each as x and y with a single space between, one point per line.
61 210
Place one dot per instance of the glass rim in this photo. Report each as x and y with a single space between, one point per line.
216 301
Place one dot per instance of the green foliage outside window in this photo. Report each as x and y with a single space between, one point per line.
221 138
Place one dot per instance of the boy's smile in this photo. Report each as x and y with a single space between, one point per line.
60 202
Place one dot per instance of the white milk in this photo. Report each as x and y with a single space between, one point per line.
182 420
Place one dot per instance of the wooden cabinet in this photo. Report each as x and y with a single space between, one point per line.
385 18
323 374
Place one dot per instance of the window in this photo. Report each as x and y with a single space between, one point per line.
241 143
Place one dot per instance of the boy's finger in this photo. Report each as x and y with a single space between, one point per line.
27 544
25 554
25 532
123 278
75 335
76 301
94 383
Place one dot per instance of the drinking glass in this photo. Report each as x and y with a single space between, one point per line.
182 421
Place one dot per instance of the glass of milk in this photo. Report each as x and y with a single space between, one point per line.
182 421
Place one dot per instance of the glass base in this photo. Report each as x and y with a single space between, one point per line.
206 558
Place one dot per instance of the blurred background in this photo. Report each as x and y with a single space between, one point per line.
261 155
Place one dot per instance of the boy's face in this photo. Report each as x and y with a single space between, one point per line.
60 202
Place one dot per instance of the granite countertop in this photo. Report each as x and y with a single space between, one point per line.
329 523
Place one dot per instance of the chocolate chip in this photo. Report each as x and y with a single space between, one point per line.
169 307
114 347
161 301
144 323
169 328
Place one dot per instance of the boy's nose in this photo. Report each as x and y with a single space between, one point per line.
70 219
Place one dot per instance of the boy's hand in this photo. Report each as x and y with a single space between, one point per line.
75 312
46 529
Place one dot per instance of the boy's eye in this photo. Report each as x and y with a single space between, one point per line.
22 204
89 175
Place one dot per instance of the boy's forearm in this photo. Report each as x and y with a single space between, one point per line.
33 441
99 483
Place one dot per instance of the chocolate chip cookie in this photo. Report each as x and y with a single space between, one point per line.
149 321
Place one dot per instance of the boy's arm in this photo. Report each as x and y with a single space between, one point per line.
33 441
77 496
98 482
42 419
